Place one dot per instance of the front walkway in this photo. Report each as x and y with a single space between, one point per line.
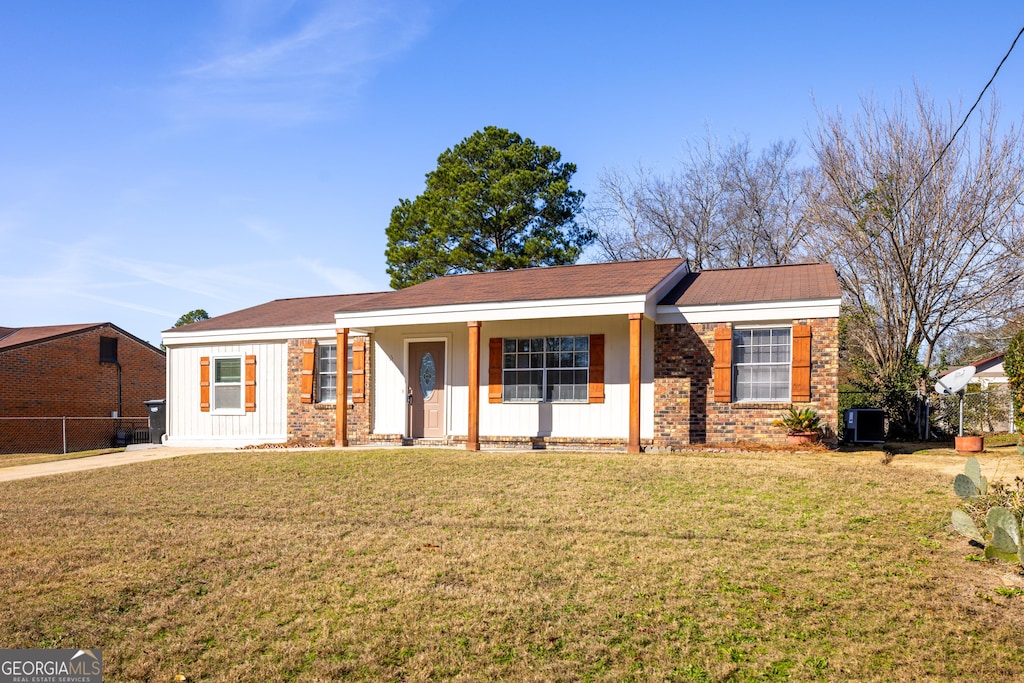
132 454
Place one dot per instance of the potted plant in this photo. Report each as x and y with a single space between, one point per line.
969 443
802 425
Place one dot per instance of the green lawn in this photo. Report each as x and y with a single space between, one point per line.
443 564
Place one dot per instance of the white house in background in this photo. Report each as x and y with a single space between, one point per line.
625 355
989 372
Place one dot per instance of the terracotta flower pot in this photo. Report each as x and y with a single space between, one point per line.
969 444
802 438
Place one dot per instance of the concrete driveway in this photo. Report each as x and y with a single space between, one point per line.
138 453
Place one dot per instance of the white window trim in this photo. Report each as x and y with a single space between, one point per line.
789 384
348 383
214 409
545 370
319 373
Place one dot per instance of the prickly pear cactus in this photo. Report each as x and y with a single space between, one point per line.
1005 544
973 471
965 488
1002 533
963 523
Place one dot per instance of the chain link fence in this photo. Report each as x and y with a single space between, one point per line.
70 434
912 415
984 411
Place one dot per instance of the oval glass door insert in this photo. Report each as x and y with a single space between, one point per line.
428 376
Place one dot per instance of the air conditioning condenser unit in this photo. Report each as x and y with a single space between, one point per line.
864 425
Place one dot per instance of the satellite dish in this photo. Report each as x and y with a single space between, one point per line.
955 381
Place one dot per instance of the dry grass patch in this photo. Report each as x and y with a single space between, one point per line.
416 564
15 459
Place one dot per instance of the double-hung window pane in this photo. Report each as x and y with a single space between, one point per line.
762 365
546 369
327 372
227 383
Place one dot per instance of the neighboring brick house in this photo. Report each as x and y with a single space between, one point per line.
92 370
629 355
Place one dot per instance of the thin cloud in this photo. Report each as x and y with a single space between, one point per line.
340 280
262 229
294 62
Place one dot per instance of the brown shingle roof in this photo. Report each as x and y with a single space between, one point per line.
534 284
312 310
11 337
18 336
800 282
624 278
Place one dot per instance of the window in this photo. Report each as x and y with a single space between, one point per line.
327 373
761 364
546 369
227 383
108 349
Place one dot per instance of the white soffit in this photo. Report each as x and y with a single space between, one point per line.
513 310
749 312
249 335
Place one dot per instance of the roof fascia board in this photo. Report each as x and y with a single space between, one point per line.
514 310
251 334
749 312
659 291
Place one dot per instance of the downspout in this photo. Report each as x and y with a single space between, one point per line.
120 408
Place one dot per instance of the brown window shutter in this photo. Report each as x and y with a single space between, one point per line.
204 384
723 364
358 370
801 392
596 391
250 384
308 363
494 370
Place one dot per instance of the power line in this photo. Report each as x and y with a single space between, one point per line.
962 123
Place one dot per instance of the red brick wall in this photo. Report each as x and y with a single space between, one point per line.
315 422
63 377
685 412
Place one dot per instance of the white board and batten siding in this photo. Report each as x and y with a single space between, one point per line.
390 359
188 425
569 420
576 420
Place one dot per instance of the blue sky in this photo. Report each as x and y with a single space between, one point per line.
161 157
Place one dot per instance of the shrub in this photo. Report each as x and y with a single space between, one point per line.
1013 365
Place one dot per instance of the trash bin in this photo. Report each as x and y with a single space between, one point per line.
157 412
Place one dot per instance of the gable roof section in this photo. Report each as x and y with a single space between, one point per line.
552 291
986 367
524 294
309 311
798 282
16 337
23 336
592 280
989 363
761 295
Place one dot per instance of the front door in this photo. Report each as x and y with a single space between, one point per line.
426 390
